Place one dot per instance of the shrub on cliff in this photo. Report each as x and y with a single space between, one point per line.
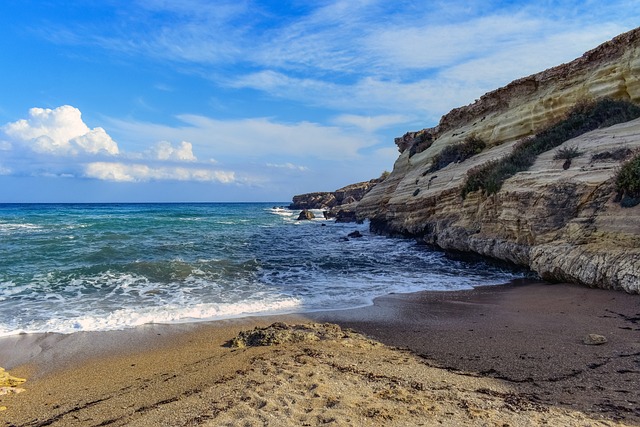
584 117
421 143
567 154
628 183
457 153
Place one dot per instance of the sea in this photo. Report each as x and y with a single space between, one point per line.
94 267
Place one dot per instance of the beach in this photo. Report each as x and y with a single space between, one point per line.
496 355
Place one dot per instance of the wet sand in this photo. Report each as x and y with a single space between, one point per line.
500 355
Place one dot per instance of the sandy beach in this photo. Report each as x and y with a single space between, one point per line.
501 355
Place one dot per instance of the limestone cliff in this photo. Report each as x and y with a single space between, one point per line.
564 224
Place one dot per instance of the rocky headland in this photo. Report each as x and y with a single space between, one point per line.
340 204
561 216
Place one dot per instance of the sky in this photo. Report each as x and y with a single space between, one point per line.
247 100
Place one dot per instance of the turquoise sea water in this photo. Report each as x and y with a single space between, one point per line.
79 267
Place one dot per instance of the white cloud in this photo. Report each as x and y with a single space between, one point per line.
426 98
57 143
163 150
425 46
252 137
289 166
122 172
521 58
366 56
59 132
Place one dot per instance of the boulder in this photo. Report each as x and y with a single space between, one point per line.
306 215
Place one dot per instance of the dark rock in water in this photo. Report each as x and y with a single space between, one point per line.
306 215
328 214
355 234
344 239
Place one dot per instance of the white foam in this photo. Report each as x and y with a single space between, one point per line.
132 317
8 227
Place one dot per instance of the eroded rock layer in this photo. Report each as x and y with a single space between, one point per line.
559 219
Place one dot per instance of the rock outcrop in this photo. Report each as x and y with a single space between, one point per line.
339 204
563 223
319 200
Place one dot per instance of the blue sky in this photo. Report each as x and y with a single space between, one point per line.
196 100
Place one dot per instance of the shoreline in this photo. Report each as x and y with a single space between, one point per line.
34 348
524 336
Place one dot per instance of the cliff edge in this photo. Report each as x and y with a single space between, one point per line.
562 216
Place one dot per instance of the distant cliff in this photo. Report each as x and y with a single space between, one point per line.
343 199
561 217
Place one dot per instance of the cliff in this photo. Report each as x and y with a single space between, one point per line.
565 224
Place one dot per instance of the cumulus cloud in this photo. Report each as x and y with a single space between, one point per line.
163 150
59 132
57 143
137 172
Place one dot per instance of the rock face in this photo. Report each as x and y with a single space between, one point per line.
563 223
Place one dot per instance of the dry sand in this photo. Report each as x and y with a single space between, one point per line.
508 355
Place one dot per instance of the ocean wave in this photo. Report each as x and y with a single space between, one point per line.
128 265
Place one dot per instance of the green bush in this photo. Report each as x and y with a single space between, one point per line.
617 154
423 141
568 153
628 182
584 117
457 153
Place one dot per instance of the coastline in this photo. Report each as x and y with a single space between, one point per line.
522 339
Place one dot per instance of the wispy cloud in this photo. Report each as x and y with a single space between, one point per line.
252 137
365 56
289 166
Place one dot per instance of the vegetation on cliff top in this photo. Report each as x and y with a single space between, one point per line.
583 118
456 153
